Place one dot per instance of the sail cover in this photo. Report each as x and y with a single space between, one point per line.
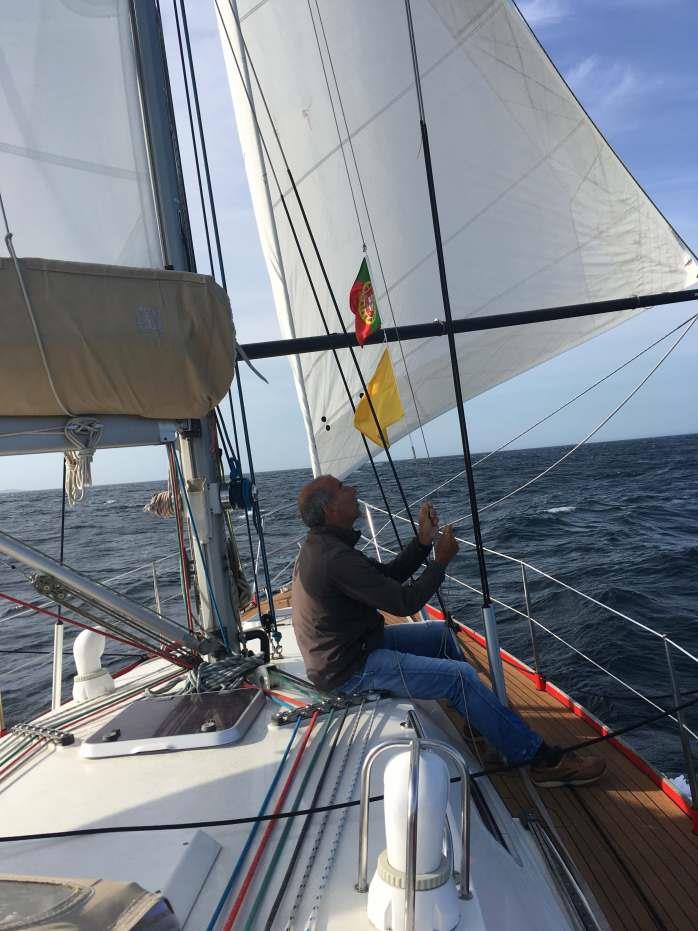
74 171
112 340
536 209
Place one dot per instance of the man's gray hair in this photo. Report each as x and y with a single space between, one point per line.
312 509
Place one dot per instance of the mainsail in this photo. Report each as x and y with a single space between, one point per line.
75 179
74 169
536 209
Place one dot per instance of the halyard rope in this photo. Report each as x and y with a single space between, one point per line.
329 863
281 843
237 904
251 836
323 824
30 310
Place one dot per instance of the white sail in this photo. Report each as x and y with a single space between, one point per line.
536 209
74 171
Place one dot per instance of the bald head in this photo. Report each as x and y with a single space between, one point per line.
326 500
314 498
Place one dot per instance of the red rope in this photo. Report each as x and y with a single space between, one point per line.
32 748
131 643
127 668
174 484
284 697
249 876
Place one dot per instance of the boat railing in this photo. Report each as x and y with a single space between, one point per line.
535 626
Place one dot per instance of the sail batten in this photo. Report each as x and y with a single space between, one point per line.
536 209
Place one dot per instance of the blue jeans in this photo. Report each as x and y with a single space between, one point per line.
422 660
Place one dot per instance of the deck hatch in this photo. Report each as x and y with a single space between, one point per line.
176 722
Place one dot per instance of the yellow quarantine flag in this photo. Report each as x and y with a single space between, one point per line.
382 389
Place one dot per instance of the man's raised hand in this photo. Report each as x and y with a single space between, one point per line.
446 546
428 524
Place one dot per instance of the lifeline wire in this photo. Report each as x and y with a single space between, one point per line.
547 417
596 429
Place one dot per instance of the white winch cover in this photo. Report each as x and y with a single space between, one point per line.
536 209
136 341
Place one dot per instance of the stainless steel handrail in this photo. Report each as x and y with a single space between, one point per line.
415 745
563 875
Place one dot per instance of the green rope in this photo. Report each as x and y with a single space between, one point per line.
15 750
62 719
249 925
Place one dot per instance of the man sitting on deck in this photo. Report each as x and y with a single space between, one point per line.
338 594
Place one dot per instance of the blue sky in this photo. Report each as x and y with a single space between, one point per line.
634 66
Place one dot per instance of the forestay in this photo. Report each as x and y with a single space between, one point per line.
536 210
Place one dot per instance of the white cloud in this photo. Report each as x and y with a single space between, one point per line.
544 12
612 90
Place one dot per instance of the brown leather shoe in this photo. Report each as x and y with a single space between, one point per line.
572 770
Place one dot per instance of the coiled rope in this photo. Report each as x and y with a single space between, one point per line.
83 434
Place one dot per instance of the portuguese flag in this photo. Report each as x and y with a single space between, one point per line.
363 305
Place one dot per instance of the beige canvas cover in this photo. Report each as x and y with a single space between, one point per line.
116 340
79 905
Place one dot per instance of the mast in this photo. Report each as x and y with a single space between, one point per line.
218 603
488 615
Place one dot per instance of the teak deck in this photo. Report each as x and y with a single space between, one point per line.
633 846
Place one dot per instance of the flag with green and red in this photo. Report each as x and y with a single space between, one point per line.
363 305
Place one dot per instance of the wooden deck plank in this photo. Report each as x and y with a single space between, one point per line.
646 831
623 781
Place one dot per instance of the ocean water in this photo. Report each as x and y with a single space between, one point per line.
617 521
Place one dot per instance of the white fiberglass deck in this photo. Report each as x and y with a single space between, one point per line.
60 791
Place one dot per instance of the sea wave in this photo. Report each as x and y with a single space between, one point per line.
565 509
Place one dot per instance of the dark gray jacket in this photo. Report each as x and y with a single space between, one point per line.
337 595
